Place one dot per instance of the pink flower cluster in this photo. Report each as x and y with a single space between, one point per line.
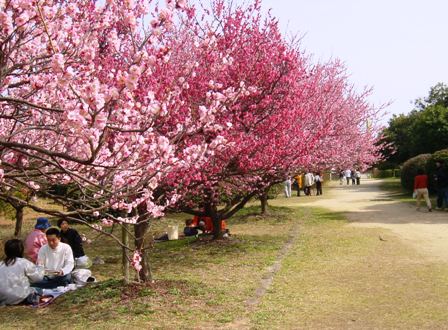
202 110
136 261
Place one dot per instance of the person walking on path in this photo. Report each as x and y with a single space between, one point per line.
318 179
441 179
421 189
309 181
299 181
341 177
358 177
348 175
287 184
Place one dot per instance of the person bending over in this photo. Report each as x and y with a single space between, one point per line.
57 259
71 237
36 239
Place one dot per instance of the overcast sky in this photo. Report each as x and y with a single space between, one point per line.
398 47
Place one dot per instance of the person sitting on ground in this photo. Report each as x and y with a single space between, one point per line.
16 273
71 237
36 239
206 224
57 259
190 228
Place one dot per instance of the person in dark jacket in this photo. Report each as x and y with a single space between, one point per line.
441 179
71 237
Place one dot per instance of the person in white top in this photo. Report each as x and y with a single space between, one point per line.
309 182
287 184
348 175
16 273
57 259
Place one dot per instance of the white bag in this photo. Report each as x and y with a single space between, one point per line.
173 232
414 194
80 276
83 262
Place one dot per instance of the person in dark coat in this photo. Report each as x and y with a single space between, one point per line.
71 237
441 179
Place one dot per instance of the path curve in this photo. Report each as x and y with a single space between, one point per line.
369 206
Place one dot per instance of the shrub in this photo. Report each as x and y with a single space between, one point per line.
409 170
431 165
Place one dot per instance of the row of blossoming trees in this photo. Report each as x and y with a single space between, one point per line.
138 108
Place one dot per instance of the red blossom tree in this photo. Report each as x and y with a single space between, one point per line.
291 114
136 111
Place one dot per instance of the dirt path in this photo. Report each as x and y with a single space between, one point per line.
368 206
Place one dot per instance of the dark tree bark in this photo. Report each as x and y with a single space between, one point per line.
19 220
125 256
264 202
140 230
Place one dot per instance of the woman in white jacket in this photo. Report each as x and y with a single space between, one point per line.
16 273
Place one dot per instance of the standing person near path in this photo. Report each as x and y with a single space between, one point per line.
348 175
341 177
287 184
299 181
441 179
353 176
309 181
358 177
318 179
421 189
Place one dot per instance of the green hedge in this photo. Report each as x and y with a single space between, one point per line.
409 170
431 165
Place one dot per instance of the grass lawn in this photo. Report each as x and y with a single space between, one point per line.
198 283
344 277
334 276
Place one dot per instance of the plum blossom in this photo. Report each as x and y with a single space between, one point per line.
57 62
107 222
97 227
136 261
33 185
22 19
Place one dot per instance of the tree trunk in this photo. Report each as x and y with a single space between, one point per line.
19 221
212 211
217 224
125 256
140 230
264 202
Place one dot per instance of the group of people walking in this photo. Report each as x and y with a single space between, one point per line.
306 182
353 176
45 260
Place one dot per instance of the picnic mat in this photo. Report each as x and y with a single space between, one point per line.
49 295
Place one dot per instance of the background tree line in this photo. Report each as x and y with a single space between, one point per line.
423 130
